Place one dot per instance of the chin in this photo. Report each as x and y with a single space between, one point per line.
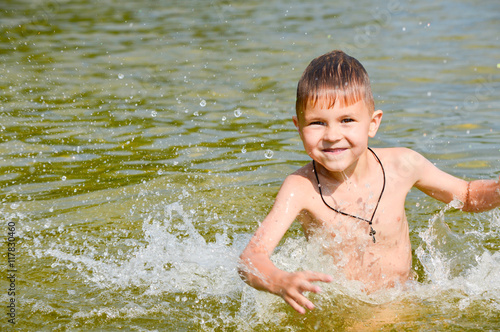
337 167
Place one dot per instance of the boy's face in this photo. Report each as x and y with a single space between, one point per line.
337 137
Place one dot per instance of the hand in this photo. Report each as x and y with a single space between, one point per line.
294 284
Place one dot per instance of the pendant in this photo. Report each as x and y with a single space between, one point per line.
372 233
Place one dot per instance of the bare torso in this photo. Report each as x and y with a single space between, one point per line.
347 239
382 264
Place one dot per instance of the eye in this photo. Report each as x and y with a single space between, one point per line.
317 123
347 120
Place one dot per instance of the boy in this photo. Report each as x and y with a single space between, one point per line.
349 193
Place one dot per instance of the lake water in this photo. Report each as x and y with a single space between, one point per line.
142 142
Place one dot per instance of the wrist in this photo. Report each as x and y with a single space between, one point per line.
276 281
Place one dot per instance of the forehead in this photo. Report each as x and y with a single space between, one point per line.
325 107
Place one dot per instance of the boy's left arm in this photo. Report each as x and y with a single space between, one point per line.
476 196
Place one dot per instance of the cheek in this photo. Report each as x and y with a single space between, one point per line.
309 139
309 135
358 133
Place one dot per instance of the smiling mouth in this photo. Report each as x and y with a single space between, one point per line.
334 151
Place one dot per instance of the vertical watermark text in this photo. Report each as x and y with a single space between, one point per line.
11 276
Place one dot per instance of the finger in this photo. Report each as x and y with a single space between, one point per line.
295 305
304 301
298 302
309 277
308 287
317 276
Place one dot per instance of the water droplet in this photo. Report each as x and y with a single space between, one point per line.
203 103
223 118
63 178
243 150
429 94
154 114
121 76
269 154
14 206
237 113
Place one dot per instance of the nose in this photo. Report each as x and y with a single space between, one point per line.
332 133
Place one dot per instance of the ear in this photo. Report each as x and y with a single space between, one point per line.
297 125
375 123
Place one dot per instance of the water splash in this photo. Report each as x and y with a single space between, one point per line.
462 262
173 258
173 266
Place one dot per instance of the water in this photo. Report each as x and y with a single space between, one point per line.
142 143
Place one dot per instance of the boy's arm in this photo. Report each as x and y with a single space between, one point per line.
476 196
256 267
482 195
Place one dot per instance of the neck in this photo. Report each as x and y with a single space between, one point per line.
355 173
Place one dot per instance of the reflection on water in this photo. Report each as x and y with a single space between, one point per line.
141 143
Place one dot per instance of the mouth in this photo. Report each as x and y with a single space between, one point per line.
334 150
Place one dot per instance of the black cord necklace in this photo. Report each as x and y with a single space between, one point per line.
372 231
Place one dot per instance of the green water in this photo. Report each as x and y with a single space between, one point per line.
142 142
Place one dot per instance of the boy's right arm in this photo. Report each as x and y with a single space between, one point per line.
256 267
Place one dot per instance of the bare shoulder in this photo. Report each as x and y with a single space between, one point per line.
293 197
397 153
401 156
299 182
301 177
403 163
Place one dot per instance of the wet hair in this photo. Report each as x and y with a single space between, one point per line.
331 78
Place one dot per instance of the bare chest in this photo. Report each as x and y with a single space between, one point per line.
349 219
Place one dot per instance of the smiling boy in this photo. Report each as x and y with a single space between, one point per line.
349 193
